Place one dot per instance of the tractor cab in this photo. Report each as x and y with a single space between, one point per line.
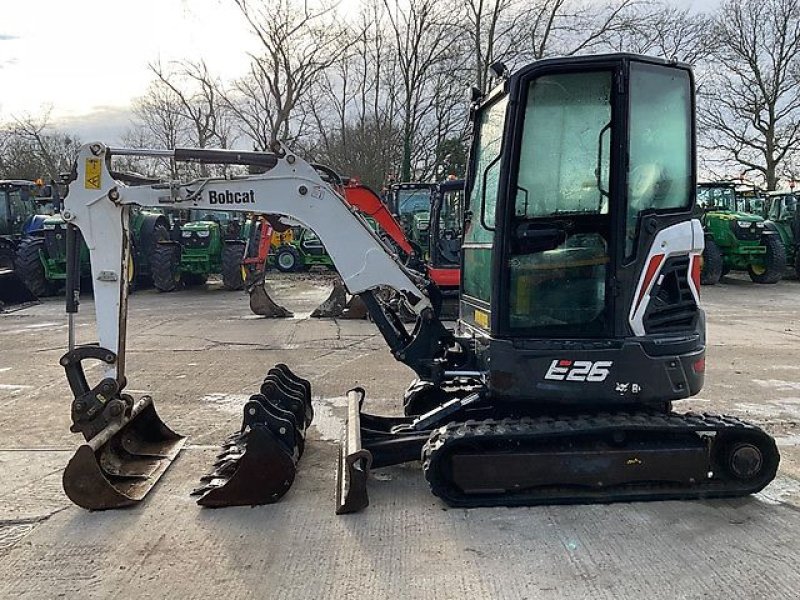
17 206
411 205
446 224
784 218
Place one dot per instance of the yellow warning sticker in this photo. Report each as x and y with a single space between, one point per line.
482 318
92 178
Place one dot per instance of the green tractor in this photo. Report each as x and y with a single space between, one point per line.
204 244
736 240
41 256
784 218
411 205
21 207
303 252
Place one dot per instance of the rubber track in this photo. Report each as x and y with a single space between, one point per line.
445 440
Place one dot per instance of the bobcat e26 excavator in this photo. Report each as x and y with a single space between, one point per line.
579 314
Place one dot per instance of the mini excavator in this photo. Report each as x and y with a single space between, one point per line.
579 316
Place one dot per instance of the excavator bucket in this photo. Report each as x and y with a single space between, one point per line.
262 304
258 464
355 309
13 292
335 303
118 466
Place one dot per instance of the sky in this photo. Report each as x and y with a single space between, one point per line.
87 61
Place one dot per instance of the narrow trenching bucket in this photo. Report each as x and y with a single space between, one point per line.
14 294
262 304
258 464
119 465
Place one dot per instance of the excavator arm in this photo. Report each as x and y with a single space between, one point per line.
128 447
99 205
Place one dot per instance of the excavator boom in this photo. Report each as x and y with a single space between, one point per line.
128 447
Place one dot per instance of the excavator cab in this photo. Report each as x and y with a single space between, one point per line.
580 278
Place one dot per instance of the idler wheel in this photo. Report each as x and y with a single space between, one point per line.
745 461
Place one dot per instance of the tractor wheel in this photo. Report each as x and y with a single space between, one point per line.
144 276
287 259
30 269
165 267
6 255
774 262
232 272
797 262
712 264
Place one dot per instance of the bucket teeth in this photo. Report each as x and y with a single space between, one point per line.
258 463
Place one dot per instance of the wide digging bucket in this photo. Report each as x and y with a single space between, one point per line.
334 304
14 294
262 304
354 461
119 465
258 464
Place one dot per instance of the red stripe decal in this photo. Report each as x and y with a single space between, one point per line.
697 266
652 269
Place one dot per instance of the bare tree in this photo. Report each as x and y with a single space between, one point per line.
751 105
568 27
495 31
298 44
159 121
31 148
353 108
426 45
196 93
660 29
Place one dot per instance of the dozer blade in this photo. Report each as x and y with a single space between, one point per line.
262 304
354 461
14 294
334 305
119 465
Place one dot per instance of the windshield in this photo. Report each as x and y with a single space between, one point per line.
220 216
414 200
450 217
782 206
564 162
716 197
